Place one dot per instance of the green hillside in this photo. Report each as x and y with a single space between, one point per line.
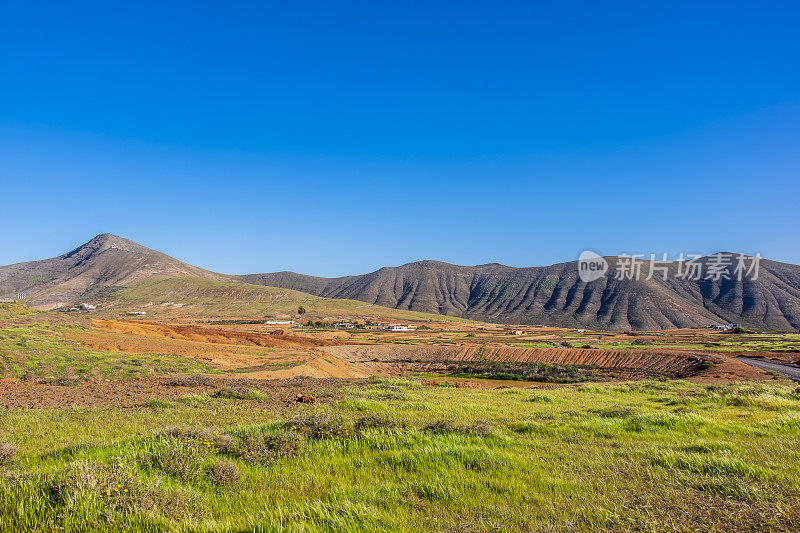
193 296
15 309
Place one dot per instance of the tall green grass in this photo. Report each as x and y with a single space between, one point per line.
395 456
40 351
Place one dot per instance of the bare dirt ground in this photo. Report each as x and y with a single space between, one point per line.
134 393
263 352
277 360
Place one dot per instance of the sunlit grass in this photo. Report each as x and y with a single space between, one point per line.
40 350
393 455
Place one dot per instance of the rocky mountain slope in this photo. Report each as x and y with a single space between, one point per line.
555 295
552 295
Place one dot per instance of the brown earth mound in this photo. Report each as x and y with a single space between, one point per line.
209 334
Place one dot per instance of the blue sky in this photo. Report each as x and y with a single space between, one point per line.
332 139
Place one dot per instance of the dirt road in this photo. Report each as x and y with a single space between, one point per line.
790 371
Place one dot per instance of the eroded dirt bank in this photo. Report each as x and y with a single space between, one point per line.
619 364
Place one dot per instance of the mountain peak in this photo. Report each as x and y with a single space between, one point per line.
109 239
106 260
103 242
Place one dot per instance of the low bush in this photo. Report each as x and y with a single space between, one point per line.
729 488
238 393
119 490
200 437
257 445
195 380
8 453
319 426
540 398
708 447
157 403
377 422
194 399
262 447
224 472
178 458
706 365
62 381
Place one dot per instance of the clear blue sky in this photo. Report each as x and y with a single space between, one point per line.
334 138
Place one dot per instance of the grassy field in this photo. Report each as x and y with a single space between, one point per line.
39 351
765 342
392 455
728 343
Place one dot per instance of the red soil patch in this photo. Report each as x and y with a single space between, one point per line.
209 334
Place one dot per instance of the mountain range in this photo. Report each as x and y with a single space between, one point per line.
551 295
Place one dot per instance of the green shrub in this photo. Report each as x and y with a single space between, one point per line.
238 393
729 488
194 399
540 398
157 403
